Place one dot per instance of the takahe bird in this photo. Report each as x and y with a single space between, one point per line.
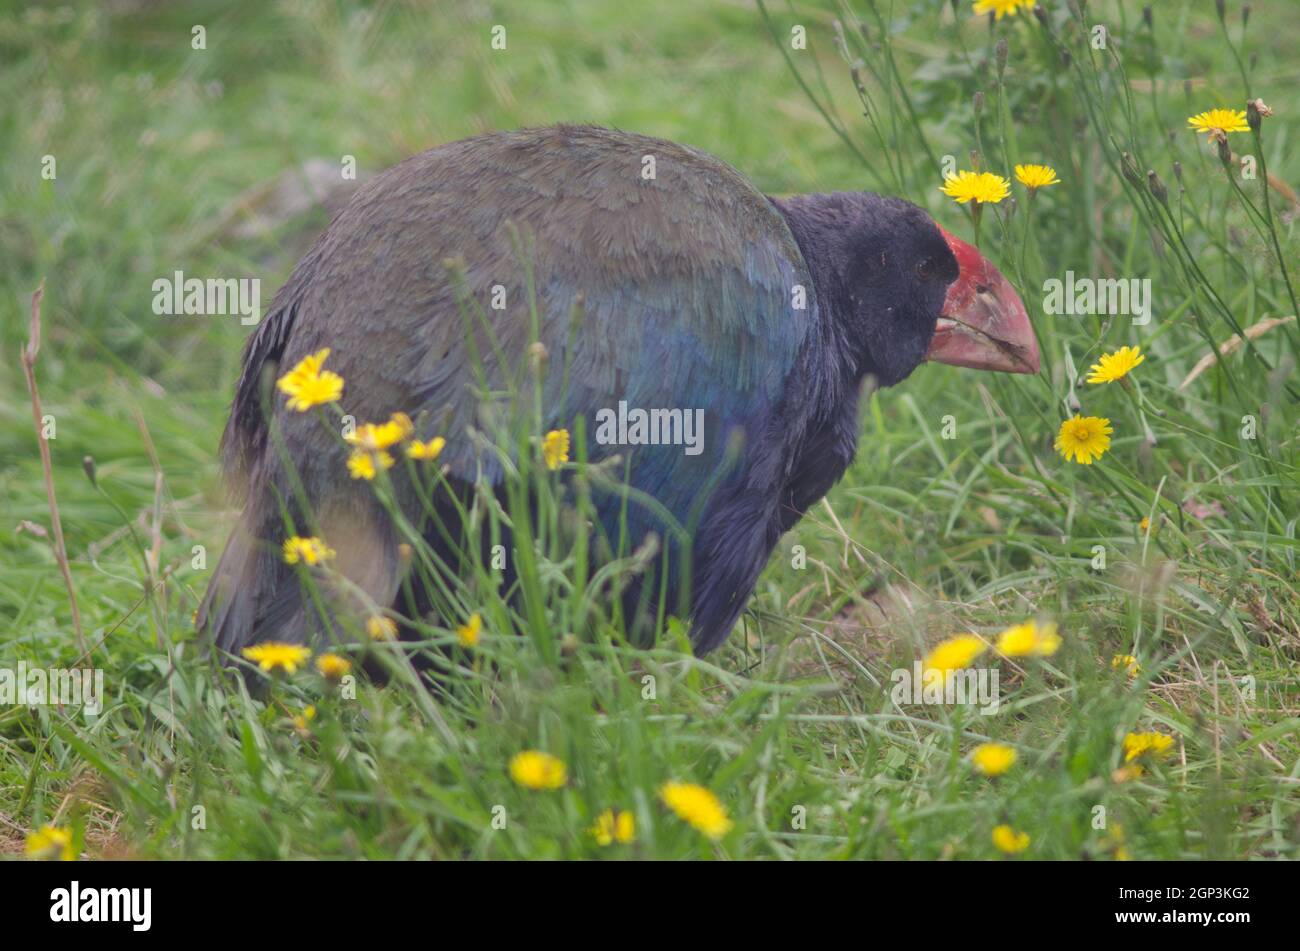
696 291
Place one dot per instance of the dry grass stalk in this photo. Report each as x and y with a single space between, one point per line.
60 550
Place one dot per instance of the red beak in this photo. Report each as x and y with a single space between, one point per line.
983 324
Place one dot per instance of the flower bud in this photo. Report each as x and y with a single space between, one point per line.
1255 112
1128 168
537 358
1157 187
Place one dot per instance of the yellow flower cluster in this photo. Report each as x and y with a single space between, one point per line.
277 657
1127 662
613 827
1085 438
693 804
986 188
370 444
1029 639
308 384
371 441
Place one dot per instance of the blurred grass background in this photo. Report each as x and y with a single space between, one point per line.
173 158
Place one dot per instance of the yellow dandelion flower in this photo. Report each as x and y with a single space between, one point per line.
366 465
993 759
1128 662
333 667
983 187
1010 841
1001 8
613 827
1147 745
1035 177
1115 366
954 653
1029 640
467 634
272 656
51 843
310 551
1144 525
307 385
555 448
381 628
534 769
373 437
1083 438
1216 121
361 465
426 451
698 807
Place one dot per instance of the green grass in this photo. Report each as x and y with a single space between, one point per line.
158 147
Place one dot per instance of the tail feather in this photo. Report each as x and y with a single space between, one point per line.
250 598
254 596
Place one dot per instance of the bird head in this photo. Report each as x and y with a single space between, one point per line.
912 292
